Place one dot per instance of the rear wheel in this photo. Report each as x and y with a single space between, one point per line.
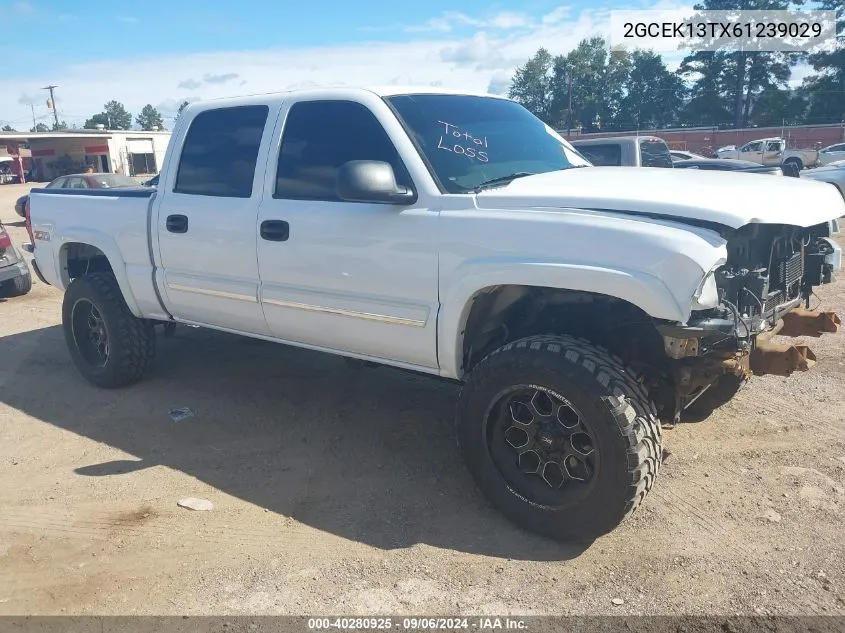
559 436
793 165
109 345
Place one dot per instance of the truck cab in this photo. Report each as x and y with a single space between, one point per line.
630 151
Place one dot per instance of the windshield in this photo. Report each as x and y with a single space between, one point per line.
471 140
107 181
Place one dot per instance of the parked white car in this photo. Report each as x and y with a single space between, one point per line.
456 235
832 154
833 173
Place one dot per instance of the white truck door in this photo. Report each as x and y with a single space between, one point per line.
345 276
206 218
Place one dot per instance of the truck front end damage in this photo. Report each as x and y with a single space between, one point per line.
763 289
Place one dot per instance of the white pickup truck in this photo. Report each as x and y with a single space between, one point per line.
459 236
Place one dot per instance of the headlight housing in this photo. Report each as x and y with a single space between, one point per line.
706 296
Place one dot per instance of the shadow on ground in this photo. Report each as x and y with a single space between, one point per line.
366 454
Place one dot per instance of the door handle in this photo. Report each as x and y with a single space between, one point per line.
275 230
177 223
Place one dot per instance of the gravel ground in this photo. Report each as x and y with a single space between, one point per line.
341 490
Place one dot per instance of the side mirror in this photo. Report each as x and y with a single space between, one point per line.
371 181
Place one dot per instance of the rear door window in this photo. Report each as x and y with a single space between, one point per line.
220 152
606 154
655 153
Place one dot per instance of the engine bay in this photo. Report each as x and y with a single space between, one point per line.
771 269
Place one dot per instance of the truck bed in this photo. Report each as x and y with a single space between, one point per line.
115 221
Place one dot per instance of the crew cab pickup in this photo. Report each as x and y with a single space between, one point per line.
456 235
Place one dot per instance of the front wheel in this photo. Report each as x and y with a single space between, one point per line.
108 344
559 436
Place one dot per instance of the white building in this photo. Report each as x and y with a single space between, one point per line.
134 153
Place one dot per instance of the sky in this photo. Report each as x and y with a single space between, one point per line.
163 52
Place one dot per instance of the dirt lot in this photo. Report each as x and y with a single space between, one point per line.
341 490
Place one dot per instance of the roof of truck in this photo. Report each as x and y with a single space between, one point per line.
381 91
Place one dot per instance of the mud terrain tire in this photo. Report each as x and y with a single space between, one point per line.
602 407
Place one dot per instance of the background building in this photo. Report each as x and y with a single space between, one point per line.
134 153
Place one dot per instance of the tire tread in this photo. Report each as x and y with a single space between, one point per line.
634 412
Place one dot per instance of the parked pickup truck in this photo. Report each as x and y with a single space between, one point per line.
459 236
772 151
628 151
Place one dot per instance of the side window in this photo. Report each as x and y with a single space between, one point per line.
602 155
753 147
76 183
773 146
654 154
220 152
319 137
57 184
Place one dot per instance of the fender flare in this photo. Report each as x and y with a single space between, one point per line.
647 292
108 246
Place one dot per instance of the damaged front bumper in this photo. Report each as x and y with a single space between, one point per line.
782 359
698 360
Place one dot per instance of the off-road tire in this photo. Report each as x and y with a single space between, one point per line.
626 431
722 392
17 287
131 340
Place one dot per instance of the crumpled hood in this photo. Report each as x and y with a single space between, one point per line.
727 198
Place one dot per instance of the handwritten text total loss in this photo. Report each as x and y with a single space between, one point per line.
466 144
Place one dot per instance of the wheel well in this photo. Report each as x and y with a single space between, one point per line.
794 160
505 313
79 259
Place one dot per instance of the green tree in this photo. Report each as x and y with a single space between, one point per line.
61 125
775 106
114 117
95 120
598 79
733 79
39 127
9 128
653 96
706 104
149 118
531 85
826 89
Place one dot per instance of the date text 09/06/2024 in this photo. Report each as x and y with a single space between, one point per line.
417 624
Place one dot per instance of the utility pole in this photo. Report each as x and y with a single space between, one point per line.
32 107
569 118
53 103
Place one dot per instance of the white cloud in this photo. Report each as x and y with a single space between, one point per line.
454 20
557 15
483 59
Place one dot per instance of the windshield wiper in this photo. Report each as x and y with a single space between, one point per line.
502 179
